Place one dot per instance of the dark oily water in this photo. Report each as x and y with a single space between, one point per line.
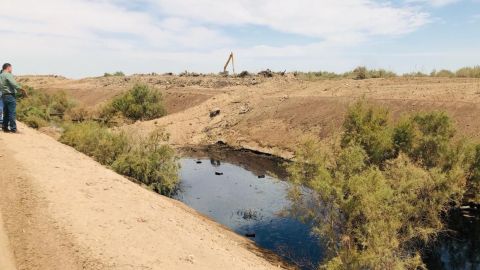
226 187
249 205
459 248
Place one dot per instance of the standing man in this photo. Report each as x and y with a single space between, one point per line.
1 108
9 88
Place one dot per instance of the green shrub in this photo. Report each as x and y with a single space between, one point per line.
34 121
318 75
360 73
118 73
96 141
371 218
369 127
140 103
436 131
473 191
78 114
151 162
442 73
148 160
415 74
39 108
468 72
382 192
381 73
426 138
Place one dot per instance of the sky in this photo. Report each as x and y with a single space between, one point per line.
80 38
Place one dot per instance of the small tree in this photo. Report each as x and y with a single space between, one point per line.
360 73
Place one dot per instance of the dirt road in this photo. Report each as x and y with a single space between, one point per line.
62 210
7 262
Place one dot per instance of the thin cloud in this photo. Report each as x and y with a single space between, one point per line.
475 18
168 34
435 3
306 17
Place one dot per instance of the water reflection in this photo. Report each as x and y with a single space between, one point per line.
249 205
215 163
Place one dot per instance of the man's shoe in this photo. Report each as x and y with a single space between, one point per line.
5 130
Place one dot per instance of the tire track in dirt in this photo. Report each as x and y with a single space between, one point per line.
37 241
7 262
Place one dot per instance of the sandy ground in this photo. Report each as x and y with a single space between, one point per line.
7 261
273 115
62 210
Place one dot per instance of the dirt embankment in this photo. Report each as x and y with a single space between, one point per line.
273 115
62 210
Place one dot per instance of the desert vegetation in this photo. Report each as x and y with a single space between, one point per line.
39 108
361 73
145 159
382 190
148 160
151 161
139 103
118 74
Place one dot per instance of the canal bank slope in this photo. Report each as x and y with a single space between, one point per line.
62 210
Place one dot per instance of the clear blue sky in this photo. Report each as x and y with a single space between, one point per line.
80 38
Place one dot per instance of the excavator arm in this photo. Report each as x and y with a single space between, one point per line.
230 59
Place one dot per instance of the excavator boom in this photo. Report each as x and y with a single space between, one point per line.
230 59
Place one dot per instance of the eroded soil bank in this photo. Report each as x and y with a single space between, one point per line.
273 115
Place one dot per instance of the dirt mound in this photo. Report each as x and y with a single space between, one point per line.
274 114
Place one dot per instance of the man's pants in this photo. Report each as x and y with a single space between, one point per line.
9 112
1 110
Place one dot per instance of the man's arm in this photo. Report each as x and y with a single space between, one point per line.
11 80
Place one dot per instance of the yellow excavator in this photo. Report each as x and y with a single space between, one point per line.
230 59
